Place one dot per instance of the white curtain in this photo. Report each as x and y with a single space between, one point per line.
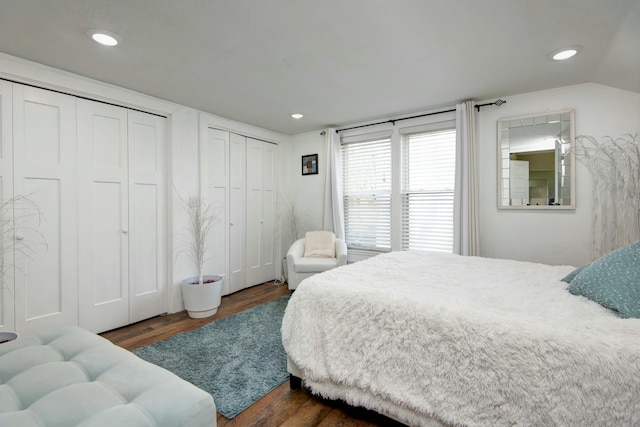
465 227
333 205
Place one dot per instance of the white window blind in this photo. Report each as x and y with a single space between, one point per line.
366 167
428 179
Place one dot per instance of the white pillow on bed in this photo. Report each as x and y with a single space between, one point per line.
320 244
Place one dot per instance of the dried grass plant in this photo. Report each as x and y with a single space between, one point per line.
292 225
197 244
292 222
20 218
614 165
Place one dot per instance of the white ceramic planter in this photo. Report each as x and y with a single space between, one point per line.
202 300
8 336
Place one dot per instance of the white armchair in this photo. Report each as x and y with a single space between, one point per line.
299 266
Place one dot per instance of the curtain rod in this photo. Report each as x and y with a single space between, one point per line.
498 103
393 122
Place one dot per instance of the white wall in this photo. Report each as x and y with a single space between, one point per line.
553 237
183 164
305 192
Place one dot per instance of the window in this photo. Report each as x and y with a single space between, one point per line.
398 185
366 166
428 179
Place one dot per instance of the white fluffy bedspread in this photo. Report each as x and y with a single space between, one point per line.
465 340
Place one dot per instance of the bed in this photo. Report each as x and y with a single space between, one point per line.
440 339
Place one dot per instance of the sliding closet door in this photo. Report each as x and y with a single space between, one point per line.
147 215
6 215
45 164
260 261
103 217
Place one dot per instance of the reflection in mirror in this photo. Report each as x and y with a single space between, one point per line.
536 161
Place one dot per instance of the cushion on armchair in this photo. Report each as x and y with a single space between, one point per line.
315 264
320 244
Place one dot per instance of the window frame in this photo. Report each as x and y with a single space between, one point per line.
433 122
442 240
397 129
380 239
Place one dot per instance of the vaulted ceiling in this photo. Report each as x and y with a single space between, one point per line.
335 61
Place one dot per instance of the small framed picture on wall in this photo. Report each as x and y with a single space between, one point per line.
310 164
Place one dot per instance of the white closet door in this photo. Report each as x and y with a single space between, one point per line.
268 247
237 223
103 216
254 211
215 183
122 216
260 261
44 131
147 215
6 215
269 158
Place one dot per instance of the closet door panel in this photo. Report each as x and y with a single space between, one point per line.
268 211
218 250
214 188
108 251
267 254
237 223
147 215
44 152
145 256
42 282
261 158
103 217
254 211
6 215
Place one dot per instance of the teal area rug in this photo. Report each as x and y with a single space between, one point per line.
238 359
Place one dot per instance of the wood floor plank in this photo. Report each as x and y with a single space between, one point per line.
272 410
279 408
308 415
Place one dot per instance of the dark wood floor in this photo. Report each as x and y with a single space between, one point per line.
281 407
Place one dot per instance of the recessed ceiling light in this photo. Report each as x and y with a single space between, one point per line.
297 116
560 55
104 37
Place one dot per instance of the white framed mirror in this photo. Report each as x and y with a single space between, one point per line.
536 160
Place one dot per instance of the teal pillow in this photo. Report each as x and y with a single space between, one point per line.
569 277
612 281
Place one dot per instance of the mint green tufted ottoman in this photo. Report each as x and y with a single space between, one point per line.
73 377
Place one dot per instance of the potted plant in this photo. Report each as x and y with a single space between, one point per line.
201 294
